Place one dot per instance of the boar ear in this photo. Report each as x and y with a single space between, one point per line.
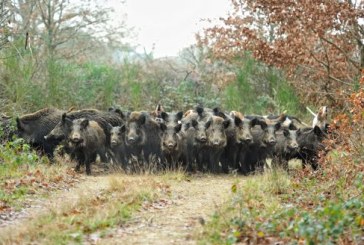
111 109
162 126
199 110
164 115
120 113
292 126
285 132
221 114
84 123
194 123
178 127
109 127
179 115
277 126
64 115
216 111
122 128
208 124
262 124
237 121
141 119
253 122
226 123
317 131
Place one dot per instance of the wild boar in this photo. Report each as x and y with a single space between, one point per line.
264 139
117 145
239 138
114 118
310 143
195 138
87 139
172 142
142 136
286 147
216 142
33 127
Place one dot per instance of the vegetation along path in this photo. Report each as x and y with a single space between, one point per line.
140 209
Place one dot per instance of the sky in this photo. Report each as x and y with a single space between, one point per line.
170 25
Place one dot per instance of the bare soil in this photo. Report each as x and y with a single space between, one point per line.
174 218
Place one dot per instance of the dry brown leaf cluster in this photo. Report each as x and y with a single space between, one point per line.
318 44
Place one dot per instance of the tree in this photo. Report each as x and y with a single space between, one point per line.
49 43
5 15
318 44
63 28
202 67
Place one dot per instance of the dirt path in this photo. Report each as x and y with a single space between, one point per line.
173 219
35 207
176 219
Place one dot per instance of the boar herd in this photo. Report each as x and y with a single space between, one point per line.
200 139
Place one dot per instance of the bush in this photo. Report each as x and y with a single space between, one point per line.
323 207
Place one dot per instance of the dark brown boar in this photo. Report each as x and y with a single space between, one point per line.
172 143
310 141
142 135
87 139
264 140
195 138
117 145
239 137
103 118
135 137
216 142
286 147
33 127
114 118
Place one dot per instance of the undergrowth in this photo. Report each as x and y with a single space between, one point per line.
23 172
322 207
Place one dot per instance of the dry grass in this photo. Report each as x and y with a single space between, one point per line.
101 203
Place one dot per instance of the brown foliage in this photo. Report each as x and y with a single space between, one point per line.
318 44
346 139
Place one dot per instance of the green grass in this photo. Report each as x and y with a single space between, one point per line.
23 172
275 207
